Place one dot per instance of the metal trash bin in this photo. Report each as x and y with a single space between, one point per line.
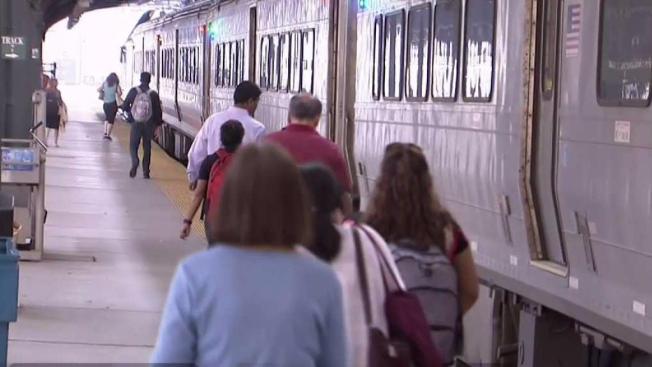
8 293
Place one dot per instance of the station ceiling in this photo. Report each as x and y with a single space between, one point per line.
56 10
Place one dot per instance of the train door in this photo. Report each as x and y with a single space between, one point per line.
548 246
253 17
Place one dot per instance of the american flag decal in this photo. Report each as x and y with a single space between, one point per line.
573 29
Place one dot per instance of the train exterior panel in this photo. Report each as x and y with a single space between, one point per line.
293 56
533 117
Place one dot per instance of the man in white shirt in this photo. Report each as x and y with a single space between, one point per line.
208 141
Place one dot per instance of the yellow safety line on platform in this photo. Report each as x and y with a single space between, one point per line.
168 174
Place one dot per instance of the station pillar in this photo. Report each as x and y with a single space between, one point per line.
21 31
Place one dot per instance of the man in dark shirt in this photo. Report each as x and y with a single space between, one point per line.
301 139
144 131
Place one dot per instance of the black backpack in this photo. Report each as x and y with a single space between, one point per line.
51 104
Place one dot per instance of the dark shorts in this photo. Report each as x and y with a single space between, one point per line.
110 110
52 121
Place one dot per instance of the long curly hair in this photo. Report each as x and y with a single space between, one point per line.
405 205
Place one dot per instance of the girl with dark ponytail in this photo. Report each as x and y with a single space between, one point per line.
335 243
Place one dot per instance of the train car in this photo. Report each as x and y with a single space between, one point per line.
533 115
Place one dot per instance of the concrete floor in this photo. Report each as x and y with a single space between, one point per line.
111 245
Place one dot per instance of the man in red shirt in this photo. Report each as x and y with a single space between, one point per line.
301 139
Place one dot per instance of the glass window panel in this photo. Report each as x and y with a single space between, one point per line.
549 63
295 64
393 63
418 50
479 46
234 64
241 61
226 73
625 53
378 57
308 61
273 60
284 62
264 62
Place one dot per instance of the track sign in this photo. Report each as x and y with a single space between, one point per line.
12 48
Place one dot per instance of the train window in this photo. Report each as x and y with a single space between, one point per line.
234 64
479 50
197 63
418 35
264 62
625 66
377 78
295 62
393 63
226 70
284 62
446 49
308 61
549 57
241 61
273 62
217 64
184 65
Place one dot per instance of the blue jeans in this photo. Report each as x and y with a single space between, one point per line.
145 132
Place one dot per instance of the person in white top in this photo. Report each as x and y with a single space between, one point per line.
208 141
334 243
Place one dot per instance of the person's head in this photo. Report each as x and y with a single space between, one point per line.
247 95
326 194
263 202
305 109
45 80
231 134
53 83
145 78
404 205
112 80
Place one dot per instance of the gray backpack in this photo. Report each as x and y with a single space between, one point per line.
141 110
431 276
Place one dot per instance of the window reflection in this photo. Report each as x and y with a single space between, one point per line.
419 44
446 49
479 49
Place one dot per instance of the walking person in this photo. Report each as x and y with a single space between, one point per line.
252 299
207 141
110 93
54 108
430 249
301 139
212 171
143 108
346 248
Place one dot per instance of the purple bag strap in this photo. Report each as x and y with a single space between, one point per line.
362 275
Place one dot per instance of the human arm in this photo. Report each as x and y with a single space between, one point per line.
197 153
261 133
198 197
467 279
129 100
157 110
177 339
334 343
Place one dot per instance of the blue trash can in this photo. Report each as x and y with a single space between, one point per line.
8 293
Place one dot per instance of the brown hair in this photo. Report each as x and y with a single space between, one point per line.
263 201
404 205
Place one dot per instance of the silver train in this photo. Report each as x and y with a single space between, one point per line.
534 116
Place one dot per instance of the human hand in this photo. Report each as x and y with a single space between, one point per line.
185 231
192 186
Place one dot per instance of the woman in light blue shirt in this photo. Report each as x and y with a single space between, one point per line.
110 93
252 300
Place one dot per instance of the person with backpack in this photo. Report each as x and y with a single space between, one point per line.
110 93
430 249
349 250
211 175
143 109
54 109
253 299
207 141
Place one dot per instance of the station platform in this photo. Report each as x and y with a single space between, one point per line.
111 247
